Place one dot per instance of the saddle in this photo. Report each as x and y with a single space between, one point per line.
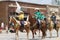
26 22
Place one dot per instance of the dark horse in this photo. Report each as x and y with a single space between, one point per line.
34 26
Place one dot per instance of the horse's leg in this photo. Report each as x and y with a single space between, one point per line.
39 30
57 31
50 30
27 30
43 33
17 34
39 33
33 33
56 28
50 34
27 35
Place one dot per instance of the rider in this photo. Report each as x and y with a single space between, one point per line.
53 18
21 18
39 16
43 17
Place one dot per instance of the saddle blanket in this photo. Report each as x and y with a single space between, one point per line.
25 22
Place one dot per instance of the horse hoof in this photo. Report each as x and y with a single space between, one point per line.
57 36
42 37
35 33
21 30
50 37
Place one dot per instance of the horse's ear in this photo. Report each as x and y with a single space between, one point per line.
17 18
16 13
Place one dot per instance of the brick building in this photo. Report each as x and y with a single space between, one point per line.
10 6
5 8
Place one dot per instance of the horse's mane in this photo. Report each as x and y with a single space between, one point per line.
51 23
13 20
32 20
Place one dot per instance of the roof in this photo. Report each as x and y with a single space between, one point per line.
20 1
29 2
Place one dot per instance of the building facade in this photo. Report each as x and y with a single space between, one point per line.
6 7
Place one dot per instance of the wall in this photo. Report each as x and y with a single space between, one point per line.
3 12
4 8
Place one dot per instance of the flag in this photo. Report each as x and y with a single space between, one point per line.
18 8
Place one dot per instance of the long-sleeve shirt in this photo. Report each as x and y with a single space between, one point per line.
21 16
37 15
53 18
42 17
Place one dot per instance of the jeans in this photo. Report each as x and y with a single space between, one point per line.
54 24
22 23
39 23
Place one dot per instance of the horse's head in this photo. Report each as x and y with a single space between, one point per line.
12 20
43 23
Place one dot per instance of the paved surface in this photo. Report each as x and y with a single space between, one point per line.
22 36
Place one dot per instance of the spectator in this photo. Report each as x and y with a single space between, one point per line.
2 25
6 28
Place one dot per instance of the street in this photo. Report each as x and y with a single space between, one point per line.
23 36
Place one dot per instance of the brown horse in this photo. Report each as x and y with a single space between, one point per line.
17 26
43 28
34 27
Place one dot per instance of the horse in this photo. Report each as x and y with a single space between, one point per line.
57 27
17 25
43 28
52 26
34 26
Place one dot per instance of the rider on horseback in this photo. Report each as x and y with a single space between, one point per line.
21 18
39 17
53 18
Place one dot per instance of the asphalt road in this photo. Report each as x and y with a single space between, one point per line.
23 36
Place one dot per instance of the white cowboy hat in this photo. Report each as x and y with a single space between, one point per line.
53 12
36 8
20 12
